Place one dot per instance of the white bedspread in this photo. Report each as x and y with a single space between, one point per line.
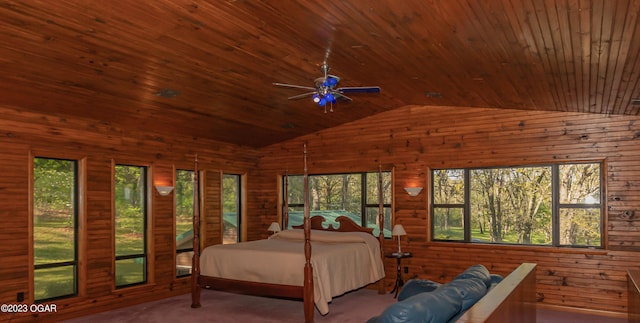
342 261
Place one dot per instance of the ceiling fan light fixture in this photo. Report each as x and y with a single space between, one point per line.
326 91
330 98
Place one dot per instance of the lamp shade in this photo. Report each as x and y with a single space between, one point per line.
398 230
164 190
274 227
413 191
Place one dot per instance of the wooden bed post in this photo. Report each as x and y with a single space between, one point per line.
285 207
195 261
381 289
308 268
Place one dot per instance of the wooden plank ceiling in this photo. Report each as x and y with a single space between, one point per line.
206 68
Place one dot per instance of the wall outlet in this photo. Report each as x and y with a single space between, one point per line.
20 297
406 270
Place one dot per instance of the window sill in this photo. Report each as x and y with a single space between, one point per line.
477 245
133 288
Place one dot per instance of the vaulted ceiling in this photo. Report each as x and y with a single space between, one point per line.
206 68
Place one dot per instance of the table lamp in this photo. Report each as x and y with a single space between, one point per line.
398 230
274 227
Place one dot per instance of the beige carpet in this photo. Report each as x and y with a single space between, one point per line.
220 307
354 307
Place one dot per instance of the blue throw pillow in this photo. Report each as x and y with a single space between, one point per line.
438 306
495 280
417 286
470 290
478 271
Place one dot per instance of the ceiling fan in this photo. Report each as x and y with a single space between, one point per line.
326 90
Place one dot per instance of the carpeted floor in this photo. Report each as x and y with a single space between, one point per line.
220 307
552 316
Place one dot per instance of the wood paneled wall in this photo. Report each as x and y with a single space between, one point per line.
23 135
411 139
415 139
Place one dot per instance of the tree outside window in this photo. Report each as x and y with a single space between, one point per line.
231 203
130 225
184 221
354 195
558 205
55 228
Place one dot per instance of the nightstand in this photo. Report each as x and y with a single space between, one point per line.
399 281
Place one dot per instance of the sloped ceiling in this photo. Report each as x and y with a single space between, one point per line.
206 68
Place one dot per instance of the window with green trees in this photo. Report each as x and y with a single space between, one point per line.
130 225
355 195
55 228
231 200
184 221
549 205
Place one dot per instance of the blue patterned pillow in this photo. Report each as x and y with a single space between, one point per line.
495 280
417 286
438 306
478 271
470 290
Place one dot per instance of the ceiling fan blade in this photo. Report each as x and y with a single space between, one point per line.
341 96
300 96
294 86
360 89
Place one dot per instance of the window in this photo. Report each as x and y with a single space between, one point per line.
551 205
184 221
55 228
231 203
355 195
131 225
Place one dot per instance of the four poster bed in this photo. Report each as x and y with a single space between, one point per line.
343 259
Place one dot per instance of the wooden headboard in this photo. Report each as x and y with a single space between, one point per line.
346 225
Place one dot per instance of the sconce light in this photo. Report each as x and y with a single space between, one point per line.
164 190
413 191
274 227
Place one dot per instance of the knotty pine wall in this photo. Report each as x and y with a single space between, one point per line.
415 139
410 139
23 135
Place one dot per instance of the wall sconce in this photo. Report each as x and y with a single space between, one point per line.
413 191
164 190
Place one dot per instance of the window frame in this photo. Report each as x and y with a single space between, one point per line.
146 226
555 206
240 204
181 250
363 197
78 218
